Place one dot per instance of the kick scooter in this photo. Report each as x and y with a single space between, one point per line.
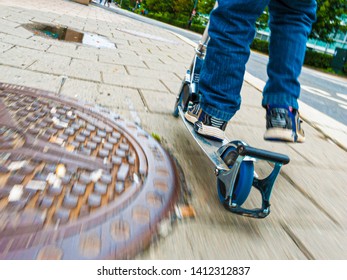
233 160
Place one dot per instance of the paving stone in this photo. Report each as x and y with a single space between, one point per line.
158 102
19 57
78 89
50 63
116 97
78 71
29 78
134 82
5 46
170 76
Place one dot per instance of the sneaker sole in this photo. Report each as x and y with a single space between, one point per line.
190 118
280 134
209 132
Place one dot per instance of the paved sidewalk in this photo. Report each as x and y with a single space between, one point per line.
139 80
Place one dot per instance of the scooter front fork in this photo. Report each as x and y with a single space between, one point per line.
229 177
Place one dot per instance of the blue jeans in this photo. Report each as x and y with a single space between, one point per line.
231 33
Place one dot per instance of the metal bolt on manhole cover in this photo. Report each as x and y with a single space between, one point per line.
77 181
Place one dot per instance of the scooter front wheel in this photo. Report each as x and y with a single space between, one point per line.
243 182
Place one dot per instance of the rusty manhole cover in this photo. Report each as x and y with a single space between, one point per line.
77 181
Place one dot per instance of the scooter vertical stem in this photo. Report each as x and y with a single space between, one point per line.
201 49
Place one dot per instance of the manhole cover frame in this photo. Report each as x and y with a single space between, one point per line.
140 217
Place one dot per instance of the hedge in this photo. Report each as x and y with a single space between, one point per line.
177 22
260 45
312 58
319 60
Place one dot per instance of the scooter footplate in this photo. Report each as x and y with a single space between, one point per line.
208 146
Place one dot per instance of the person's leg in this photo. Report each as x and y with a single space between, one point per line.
231 31
290 25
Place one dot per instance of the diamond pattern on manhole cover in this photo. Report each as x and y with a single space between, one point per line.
76 181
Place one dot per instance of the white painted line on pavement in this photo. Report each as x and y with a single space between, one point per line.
323 93
344 96
316 91
185 39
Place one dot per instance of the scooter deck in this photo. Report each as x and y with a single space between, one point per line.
208 146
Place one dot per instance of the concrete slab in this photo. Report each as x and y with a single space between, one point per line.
61 48
19 57
325 187
19 19
128 60
133 82
194 241
177 68
165 76
326 244
86 53
84 90
78 72
4 47
157 101
51 63
172 85
119 98
6 24
19 31
28 78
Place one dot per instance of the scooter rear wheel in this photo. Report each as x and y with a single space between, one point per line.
243 183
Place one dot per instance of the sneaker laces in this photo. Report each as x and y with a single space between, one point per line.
194 108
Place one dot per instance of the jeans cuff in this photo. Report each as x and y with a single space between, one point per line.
224 116
274 100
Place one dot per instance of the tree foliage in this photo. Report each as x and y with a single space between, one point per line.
263 20
184 7
159 6
328 23
329 14
205 6
173 7
178 7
